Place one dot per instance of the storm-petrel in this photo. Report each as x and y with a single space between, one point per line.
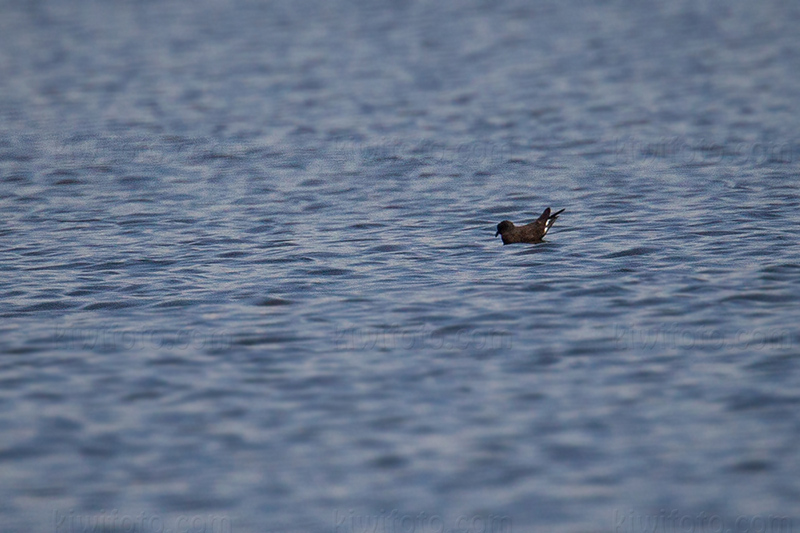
529 233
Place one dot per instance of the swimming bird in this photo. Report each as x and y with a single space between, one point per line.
529 233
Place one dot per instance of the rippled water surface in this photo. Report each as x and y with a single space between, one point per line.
249 270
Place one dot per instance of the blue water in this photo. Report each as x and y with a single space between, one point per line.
250 280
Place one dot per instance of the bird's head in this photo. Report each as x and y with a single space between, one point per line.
503 227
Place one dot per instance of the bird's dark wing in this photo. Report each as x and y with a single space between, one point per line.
544 216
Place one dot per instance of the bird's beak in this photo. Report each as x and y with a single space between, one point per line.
496 234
